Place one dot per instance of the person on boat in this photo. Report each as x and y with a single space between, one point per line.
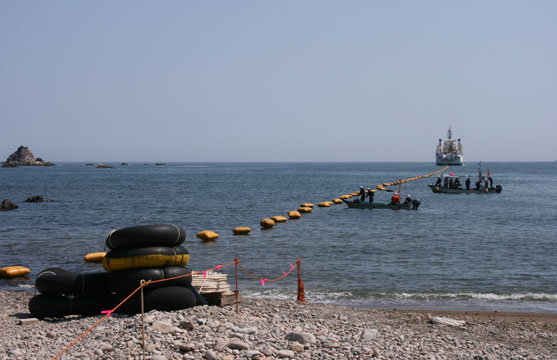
478 183
362 194
457 183
490 182
438 183
395 200
370 195
451 183
408 199
486 183
467 182
446 182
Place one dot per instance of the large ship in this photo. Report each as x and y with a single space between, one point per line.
449 151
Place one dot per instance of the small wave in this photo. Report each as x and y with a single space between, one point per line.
330 296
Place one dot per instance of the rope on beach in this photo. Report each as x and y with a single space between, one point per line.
144 284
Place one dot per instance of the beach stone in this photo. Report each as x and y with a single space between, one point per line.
50 334
185 347
238 345
229 357
289 354
440 320
249 330
106 347
252 353
98 352
368 335
220 344
28 321
297 347
210 355
301 337
187 324
163 327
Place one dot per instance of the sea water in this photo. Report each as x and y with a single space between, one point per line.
465 251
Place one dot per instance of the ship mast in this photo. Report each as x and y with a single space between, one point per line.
449 133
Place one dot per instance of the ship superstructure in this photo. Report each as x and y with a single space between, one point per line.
449 151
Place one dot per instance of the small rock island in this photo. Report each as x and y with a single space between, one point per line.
23 156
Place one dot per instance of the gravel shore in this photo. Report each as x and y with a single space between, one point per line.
274 329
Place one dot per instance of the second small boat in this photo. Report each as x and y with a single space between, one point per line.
356 204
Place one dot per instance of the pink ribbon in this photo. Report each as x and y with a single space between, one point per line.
263 282
107 312
219 267
292 266
284 273
204 275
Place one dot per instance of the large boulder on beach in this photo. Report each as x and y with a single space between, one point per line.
7 205
23 156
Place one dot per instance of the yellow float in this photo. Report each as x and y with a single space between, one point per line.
310 205
324 204
294 215
346 196
96 257
241 230
337 201
305 209
207 235
279 219
14 271
267 223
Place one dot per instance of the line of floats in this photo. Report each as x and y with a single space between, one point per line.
266 223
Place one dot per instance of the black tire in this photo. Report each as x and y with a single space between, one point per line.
126 281
146 236
149 257
57 281
56 306
166 298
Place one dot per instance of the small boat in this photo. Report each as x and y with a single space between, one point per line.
452 184
482 190
356 204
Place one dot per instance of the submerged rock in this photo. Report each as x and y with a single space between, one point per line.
35 199
7 205
24 156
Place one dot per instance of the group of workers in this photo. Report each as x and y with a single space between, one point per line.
395 199
450 184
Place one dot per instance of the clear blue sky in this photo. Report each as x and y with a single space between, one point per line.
278 80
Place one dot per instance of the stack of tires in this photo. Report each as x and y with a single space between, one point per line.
150 252
64 292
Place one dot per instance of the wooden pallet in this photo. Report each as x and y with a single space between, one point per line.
215 288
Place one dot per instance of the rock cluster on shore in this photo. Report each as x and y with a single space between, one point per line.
272 329
23 156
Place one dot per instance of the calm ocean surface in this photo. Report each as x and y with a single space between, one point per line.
494 252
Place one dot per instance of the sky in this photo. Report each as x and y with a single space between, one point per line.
205 81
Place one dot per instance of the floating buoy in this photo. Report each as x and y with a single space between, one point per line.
305 209
294 215
310 205
337 201
267 223
241 230
324 204
14 271
279 219
207 235
96 257
346 196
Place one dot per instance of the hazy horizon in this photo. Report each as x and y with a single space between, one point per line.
248 81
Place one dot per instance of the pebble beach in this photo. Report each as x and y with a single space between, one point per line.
275 329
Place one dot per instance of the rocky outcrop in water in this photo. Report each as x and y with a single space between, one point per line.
23 156
7 205
35 199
